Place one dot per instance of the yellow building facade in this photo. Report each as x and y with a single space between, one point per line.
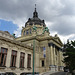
48 49
16 54
15 57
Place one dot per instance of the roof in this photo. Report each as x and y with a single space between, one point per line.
35 20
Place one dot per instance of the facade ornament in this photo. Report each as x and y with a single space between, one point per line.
23 27
35 29
14 35
45 29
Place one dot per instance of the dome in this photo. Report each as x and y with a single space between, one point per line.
35 20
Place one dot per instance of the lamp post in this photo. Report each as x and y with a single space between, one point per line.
34 29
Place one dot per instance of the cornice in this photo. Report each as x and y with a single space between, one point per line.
6 34
16 43
39 38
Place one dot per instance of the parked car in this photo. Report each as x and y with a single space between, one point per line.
66 69
2 73
29 73
10 73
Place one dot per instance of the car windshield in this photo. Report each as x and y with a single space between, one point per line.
10 74
2 73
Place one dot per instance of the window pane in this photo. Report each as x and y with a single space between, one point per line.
27 32
22 54
42 63
3 50
30 31
14 53
22 59
6 51
24 33
5 60
29 61
13 58
0 50
3 55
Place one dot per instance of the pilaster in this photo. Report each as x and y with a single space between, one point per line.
54 55
8 60
25 61
18 59
51 53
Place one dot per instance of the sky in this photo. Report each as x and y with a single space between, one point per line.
59 16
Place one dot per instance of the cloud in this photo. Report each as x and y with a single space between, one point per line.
59 15
64 25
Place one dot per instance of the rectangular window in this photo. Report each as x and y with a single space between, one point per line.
42 63
22 56
29 61
3 55
13 58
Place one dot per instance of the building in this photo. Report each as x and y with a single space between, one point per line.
16 54
48 49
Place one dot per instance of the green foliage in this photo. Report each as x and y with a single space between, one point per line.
69 54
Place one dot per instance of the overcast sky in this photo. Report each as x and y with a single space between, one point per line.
59 16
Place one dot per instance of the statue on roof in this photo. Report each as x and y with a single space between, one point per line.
34 28
45 29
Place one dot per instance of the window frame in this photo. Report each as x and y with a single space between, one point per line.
4 58
29 61
13 57
27 32
30 31
23 57
24 32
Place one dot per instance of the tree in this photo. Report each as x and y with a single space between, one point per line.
69 54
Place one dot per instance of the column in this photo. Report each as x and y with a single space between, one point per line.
25 61
54 57
47 57
8 59
51 55
60 60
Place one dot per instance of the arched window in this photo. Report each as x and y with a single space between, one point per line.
30 31
24 33
27 32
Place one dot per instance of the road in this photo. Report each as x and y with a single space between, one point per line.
57 73
60 73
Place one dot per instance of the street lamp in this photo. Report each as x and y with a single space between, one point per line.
35 29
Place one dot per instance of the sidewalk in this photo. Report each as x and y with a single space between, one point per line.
48 73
